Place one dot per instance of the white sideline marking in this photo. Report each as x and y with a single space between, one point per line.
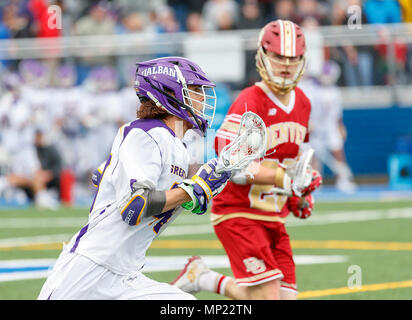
351 216
153 264
31 223
13 276
11 242
176 230
187 229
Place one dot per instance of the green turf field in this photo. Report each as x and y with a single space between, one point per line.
373 238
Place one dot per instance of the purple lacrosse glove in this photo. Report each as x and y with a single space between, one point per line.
203 186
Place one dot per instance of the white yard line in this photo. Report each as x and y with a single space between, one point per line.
11 242
32 223
153 264
351 216
204 228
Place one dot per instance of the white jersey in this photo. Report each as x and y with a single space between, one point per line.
325 116
145 152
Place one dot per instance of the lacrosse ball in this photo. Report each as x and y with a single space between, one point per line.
254 141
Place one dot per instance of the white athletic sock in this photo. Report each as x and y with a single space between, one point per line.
213 281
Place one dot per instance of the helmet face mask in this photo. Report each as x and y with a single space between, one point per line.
180 87
280 57
201 100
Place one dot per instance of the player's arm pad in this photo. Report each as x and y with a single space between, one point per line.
143 204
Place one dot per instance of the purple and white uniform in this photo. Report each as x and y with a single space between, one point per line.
103 260
144 152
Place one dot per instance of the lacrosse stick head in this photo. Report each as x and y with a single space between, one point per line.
250 144
302 172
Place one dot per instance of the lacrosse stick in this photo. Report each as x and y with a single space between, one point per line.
301 173
250 144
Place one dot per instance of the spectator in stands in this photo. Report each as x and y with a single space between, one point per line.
194 23
216 11
67 16
393 67
42 16
131 23
18 23
284 10
382 11
250 16
180 9
96 23
266 8
406 6
72 11
5 33
166 21
310 8
183 8
225 21
357 61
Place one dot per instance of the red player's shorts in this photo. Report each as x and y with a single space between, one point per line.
259 251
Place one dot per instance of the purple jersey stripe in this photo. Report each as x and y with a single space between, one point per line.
146 125
98 187
81 234
83 231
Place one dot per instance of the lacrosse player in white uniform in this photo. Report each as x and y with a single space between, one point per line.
141 189
327 130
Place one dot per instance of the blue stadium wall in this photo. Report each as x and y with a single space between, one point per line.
375 134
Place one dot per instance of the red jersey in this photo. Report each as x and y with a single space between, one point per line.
287 129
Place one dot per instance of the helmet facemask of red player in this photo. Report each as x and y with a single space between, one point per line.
280 58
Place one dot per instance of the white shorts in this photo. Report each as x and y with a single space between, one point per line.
75 277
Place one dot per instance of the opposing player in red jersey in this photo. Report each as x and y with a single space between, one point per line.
248 216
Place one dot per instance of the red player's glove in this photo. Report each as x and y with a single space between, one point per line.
315 183
301 207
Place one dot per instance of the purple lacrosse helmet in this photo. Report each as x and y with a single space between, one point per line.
103 78
35 73
165 81
66 75
330 73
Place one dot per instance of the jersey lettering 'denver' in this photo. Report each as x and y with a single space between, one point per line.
287 129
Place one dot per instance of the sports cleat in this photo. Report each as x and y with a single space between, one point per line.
188 279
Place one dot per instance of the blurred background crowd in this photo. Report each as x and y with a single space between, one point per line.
30 18
58 116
